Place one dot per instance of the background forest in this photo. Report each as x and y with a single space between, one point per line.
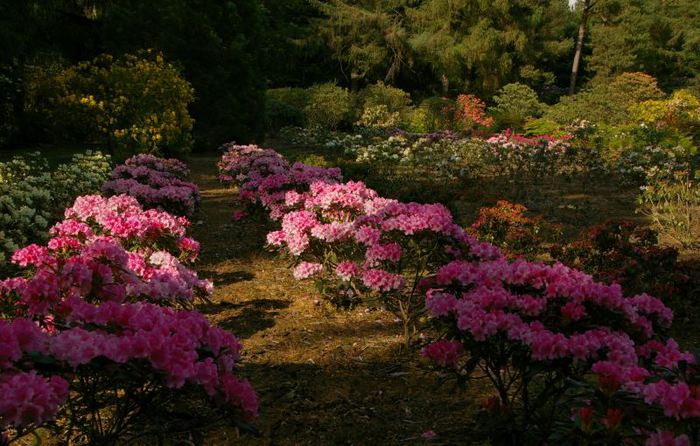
426 47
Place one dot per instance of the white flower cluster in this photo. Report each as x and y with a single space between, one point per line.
443 156
640 166
318 137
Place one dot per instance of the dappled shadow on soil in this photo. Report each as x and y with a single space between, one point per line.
324 376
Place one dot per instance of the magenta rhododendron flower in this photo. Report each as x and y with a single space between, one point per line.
28 398
444 352
155 183
666 438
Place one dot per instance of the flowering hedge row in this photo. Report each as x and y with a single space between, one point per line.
155 183
538 333
97 337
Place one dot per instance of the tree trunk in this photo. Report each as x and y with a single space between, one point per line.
579 44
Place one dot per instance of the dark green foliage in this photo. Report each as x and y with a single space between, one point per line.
217 45
481 46
285 107
293 54
658 37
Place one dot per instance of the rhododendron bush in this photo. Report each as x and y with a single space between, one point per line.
535 330
94 342
155 183
537 157
624 252
107 249
149 366
507 226
354 243
263 176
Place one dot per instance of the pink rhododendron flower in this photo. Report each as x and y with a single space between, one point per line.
304 270
445 353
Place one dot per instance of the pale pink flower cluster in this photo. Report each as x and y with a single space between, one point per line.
380 237
304 270
122 217
155 183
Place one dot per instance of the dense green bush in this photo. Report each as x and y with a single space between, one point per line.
606 101
130 104
537 127
32 197
285 107
514 104
394 99
433 113
329 106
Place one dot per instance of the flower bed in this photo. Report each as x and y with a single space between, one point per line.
538 333
94 341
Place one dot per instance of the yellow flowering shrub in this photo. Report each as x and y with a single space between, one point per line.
130 104
681 111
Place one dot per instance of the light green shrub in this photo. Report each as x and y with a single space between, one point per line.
26 206
537 127
674 208
329 106
515 103
394 99
606 101
32 197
